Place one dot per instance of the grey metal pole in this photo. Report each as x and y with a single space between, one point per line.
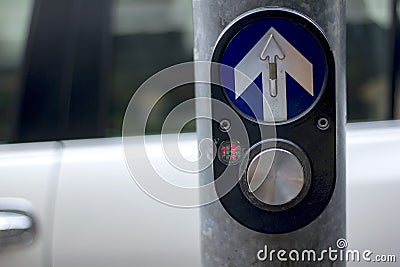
224 241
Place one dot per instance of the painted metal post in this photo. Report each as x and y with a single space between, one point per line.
224 241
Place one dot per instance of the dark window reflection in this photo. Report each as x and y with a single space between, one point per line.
369 59
14 25
148 36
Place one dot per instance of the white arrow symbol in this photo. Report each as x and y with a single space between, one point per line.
273 56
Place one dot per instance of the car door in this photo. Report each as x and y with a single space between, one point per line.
103 218
28 183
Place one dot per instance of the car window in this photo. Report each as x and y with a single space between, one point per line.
15 18
371 60
147 37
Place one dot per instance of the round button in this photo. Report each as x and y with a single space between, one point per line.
275 176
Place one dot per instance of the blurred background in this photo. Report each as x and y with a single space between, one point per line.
69 68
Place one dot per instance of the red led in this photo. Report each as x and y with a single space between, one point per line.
233 147
223 149
234 157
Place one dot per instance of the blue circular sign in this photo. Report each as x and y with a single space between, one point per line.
279 68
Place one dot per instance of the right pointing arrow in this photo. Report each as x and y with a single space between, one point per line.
273 56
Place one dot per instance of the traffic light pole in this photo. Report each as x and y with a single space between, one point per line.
224 241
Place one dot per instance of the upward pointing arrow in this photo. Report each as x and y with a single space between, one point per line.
271 53
272 50
273 56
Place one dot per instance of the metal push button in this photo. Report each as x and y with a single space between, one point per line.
275 177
